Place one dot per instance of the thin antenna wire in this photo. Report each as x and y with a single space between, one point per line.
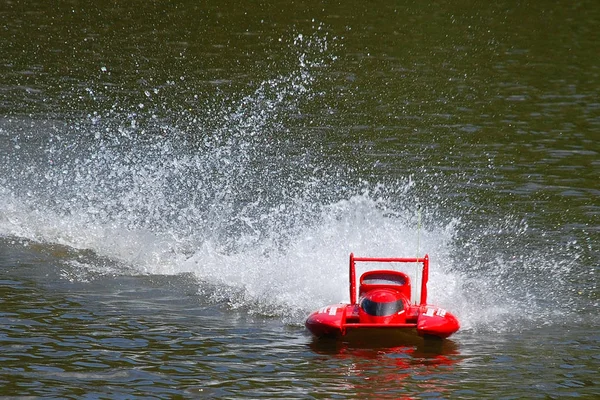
418 250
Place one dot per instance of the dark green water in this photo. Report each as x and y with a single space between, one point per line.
181 184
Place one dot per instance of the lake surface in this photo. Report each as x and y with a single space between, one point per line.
181 184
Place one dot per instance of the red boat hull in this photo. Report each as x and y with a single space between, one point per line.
339 320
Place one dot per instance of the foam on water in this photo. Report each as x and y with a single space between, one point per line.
241 197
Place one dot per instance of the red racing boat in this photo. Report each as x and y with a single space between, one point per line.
383 305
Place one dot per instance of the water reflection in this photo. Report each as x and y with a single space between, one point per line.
400 371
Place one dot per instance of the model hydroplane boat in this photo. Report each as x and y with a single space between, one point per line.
383 305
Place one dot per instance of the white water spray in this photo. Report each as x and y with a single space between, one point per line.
259 214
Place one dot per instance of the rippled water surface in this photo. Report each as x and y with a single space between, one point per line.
181 184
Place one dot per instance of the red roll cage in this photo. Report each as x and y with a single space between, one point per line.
424 278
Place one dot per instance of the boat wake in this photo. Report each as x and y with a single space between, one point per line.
245 197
